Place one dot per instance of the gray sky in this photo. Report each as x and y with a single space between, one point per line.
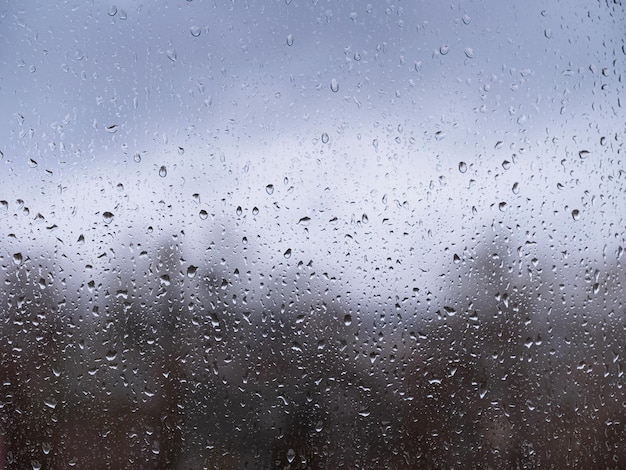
230 97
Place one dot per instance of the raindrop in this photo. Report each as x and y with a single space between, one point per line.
171 54
287 254
466 19
181 151
444 49
334 86
195 31
347 319
112 129
576 214
290 39
503 206
239 210
506 164
269 189
137 158
163 171
107 217
191 271
515 188
291 455
112 10
204 214
456 259
547 33
123 15
462 167
17 258
357 56
583 154
469 52
255 210
111 355
325 138
364 219
32 163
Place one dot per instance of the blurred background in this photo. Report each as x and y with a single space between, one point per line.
305 234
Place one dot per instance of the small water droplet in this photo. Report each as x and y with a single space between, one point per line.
269 189
171 54
325 138
239 210
503 206
163 171
287 254
191 271
444 49
469 52
583 154
112 10
107 217
290 39
137 158
111 355
576 214
291 455
195 31
347 320
456 259
462 167
112 129
466 19
515 188
17 258
506 164
334 86
547 33
255 210
204 214
357 56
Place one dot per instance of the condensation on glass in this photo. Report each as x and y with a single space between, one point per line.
312 234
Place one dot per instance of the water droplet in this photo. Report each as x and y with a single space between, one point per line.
17 258
171 54
181 151
137 158
195 31
576 214
515 188
204 214
107 217
357 56
163 171
503 206
111 355
466 19
469 52
462 167
334 86
365 219
255 210
347 320
456 259
444 49
325 138
269 189
287 254
583 154
112 129
506 164
32 163
291 455
290 39
112 10
239 210
547 33
191 271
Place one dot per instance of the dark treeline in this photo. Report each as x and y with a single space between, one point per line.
161 364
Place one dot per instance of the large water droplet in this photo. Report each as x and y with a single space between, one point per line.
107 217
462 167
576 214
287 254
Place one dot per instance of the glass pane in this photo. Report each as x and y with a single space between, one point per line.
312 234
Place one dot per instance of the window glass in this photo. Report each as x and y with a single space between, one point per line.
312 234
